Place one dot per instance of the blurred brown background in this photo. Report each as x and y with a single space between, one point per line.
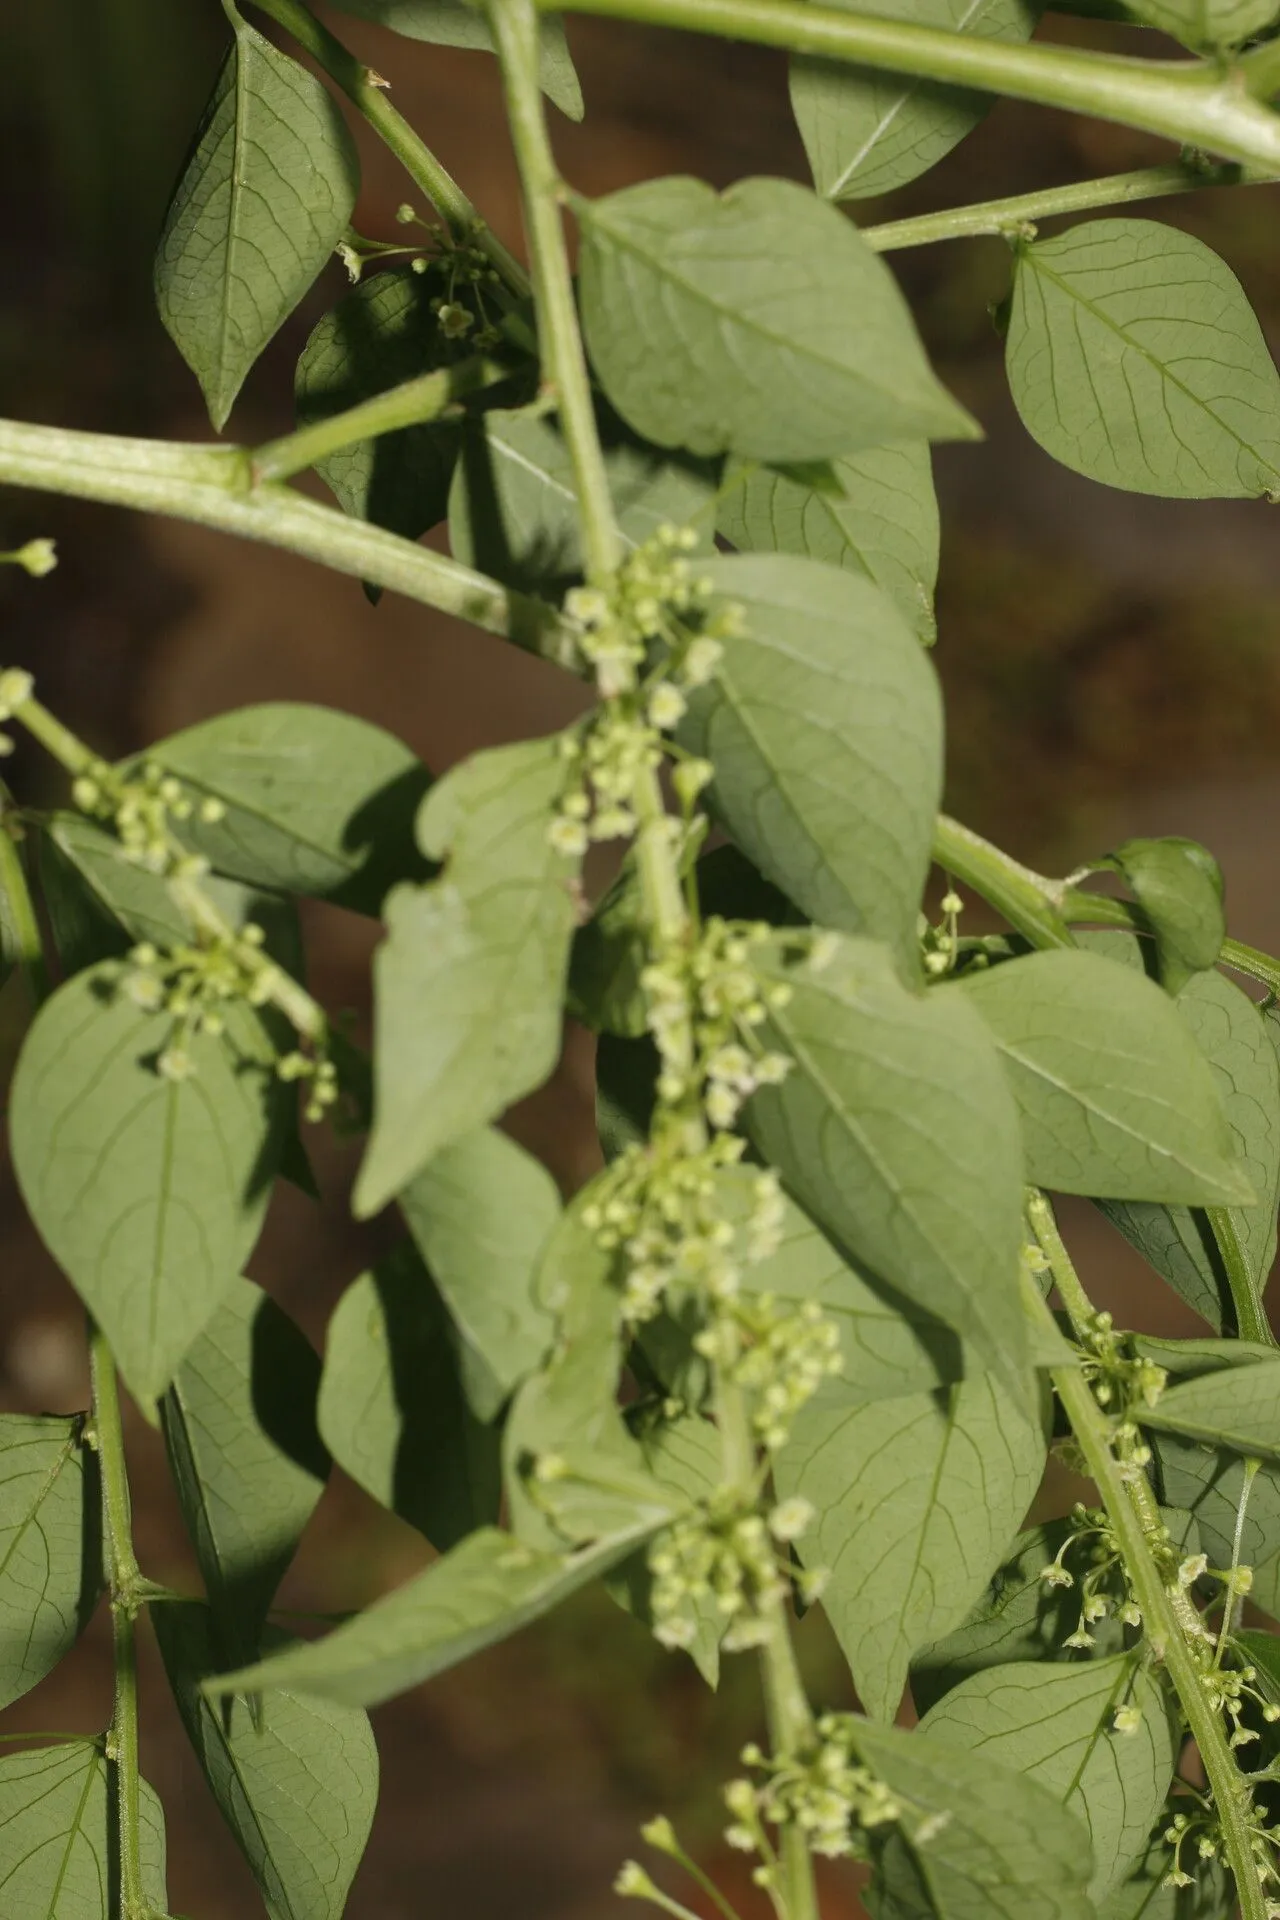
1112 666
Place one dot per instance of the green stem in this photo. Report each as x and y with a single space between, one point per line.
412 404
514 24
1251 1320
1135 1519
368 93
1013 215
213 486
1194 102
1021 895
23 927
124 1582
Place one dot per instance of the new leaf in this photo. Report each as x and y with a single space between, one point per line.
263 202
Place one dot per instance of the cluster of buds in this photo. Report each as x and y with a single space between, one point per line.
723 1554
1101 1581
143 808
1125 1385
456 261
318 1070
940 945
195 984
780 1355
656 600
703 1007
649 638
1198 1834
825 1791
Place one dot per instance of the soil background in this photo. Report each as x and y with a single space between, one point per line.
1111 665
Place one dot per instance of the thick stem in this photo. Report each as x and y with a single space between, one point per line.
1021 895
515 31
124 1584
411 404
1014 214
213 486
1167 1614
1193 102
367 92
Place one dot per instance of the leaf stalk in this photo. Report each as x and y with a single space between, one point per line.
1016 212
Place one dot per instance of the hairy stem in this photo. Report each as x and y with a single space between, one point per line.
412 404
367 92
1168 1617
1013 214
515 31
1195 102
124 1584
213 486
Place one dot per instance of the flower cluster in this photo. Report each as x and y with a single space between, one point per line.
824 1790
1103 1584
1126 1385
940 945
455 260
649 638
143 808
725 1555
780 1354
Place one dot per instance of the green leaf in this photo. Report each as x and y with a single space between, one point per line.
1019 1617
1178 884
381 334
572 1469
513 508
50 1547
148 1191
1056 1725
976 1843
481 1592
1180 1245
481 1213
917 1500
1238 1409
685 1457
469 983
1116 1098
316 801
1263 1650
720 323
297 1784
58 1851
881 520
1206 26
896 1131
1210 1484
249 1465
263 201
867 133
1194 1357
452 23
824 724
1135 358
392 1411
